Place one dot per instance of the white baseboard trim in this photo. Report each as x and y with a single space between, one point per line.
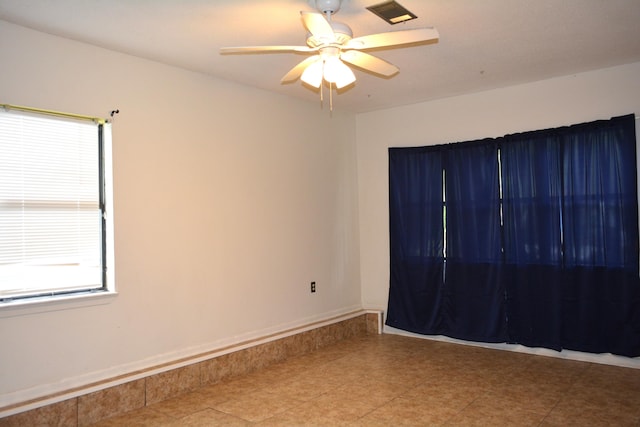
605 359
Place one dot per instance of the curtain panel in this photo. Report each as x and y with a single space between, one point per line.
417 239
474 302
529 238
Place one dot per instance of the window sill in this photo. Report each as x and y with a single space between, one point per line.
47 304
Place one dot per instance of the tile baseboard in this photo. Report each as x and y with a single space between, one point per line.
88 405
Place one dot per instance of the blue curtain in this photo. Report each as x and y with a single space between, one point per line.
601 304
544 254
416 239
531 186
474 296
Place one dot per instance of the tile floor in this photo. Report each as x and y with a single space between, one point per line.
389 380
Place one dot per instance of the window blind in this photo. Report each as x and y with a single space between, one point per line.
50 211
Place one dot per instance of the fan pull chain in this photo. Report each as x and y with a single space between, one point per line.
321 87
330 98
330 92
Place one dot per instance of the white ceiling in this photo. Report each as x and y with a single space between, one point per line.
483 44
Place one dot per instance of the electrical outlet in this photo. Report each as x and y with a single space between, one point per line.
313 287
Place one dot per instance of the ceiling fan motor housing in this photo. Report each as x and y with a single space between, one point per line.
327 6
341 34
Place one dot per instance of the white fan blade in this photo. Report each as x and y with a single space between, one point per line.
297 71
369 62
317 25
260 49
392 38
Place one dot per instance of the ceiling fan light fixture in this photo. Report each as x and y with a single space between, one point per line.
392 12
312 75
338 73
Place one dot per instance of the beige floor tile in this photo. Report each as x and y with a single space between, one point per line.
447 394
231 388
326 410
181 406
257 406
596 407
303 387
563 369
408 412
611 377
546 380
214 395
532 395
348 373
208 418
493 410
373 392
407 375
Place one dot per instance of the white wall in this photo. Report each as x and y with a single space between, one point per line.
546 104
228 202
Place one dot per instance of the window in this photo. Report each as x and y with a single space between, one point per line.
53 228
540 235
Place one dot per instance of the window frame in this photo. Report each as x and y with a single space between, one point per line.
48 300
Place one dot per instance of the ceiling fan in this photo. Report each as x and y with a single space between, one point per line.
331 45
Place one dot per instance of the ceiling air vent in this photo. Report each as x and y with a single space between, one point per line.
392 12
